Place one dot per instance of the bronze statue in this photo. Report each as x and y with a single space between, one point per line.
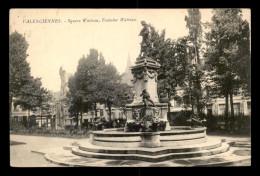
146 97
146 39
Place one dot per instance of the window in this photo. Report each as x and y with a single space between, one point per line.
113 115
222 109
215 109
236 107
22 108
16 108
242 108
176 104
120 115
16 118
249 107
24 118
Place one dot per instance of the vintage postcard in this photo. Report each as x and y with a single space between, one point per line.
130 87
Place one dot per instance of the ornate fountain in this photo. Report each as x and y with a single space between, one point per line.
147 124
146 102
147 135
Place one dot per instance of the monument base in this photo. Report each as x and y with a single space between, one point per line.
150 139
136 110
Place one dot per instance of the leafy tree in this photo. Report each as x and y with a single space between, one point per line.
94 82
111 90
177 68
22 85
195 69
82 85
44 100
19 69
124 95
183 72
171 71
32 95
193 23
74 99
87 78
229 53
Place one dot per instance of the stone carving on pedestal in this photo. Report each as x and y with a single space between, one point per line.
136 114
145 77
144 74
156 112
152 74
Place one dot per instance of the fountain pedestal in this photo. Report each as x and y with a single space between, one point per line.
150 139
145 77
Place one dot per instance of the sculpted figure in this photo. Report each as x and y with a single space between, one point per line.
146 97
136 114
145 74
156 112
63 81
146 39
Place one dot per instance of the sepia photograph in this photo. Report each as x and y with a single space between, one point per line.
130 87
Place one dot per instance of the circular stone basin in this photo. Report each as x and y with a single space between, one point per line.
178 136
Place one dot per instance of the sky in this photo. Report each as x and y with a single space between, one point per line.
52 45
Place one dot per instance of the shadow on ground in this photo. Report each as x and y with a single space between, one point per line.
16 143
198 161
242 152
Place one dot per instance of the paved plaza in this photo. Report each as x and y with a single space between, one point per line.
28 151
22 155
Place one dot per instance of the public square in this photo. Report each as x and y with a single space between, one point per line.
130 87
31 154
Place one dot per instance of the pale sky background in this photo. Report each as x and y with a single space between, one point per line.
52 45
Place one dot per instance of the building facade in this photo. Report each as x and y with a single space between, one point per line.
241 105
241 102
103 114
19 114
